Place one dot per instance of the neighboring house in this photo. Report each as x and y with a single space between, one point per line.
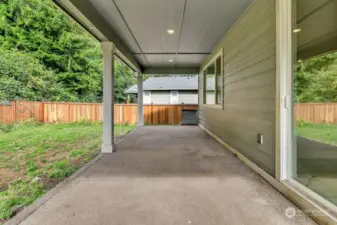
169 90
3 102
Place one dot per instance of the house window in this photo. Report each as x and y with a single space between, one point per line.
218 81
210 85
174 97
213 82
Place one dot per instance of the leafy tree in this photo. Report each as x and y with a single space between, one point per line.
123 80
46 36
316 79
23 77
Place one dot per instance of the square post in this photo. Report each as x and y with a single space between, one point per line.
140 100
108 97
284 169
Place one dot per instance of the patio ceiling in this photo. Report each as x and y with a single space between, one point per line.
139 28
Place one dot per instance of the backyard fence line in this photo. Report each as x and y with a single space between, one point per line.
51 112
316 112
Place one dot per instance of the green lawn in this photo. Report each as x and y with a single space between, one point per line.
35 157
326 133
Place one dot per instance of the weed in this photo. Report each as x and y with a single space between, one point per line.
303 123
61 170
19 193
76 153
32 167
6 128
86 122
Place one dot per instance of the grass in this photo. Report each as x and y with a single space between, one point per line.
35 157
326 133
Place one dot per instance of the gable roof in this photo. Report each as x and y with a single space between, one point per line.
168 83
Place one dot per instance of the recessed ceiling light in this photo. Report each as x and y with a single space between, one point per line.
170 60
297 30
170 31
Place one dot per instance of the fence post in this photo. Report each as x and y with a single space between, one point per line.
14 111
42 112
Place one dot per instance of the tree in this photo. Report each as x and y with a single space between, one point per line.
23 77
38 30
316 79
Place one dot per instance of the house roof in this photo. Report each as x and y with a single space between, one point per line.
168 83
172 83
4 102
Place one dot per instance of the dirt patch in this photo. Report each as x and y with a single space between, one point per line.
6 176
49 183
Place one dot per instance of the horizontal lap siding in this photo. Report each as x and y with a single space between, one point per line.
188 97
249 86
160 97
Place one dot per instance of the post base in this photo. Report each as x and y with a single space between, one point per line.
140 124
107 148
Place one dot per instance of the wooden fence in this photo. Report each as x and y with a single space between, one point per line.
316 112
50 112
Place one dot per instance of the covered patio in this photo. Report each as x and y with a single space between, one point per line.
167 175
180 175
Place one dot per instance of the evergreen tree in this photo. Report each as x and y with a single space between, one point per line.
38 30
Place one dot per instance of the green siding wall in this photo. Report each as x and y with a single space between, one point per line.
249 86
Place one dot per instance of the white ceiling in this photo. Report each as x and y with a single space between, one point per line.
142 26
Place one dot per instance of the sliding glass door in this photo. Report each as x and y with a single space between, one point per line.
314 96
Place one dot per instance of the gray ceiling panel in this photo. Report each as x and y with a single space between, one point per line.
187 60
160 60
141 60
143 24
206 22
110 13
149 21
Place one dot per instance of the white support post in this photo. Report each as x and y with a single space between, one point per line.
108 97
140 100
284 157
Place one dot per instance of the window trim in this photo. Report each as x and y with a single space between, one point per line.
204 80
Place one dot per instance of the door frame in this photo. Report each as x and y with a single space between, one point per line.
171 97
148 96
285 157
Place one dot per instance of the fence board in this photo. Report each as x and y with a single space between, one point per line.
50 112
316 112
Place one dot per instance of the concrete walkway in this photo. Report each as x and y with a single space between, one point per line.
167 175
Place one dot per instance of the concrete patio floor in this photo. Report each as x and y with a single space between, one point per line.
167 175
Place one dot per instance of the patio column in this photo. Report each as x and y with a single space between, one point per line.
140 99
108 97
